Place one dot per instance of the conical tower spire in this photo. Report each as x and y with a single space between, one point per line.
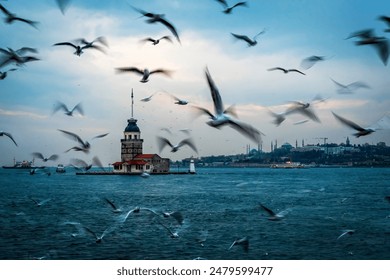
132 104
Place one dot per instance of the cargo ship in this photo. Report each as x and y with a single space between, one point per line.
22 165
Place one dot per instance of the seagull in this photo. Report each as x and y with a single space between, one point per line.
16 56
286 71
350 88
153 18
115 209
367 37
386 20
228 10
3 75
221 116
306 108
250 42
179 101
40 156
157 41
40 203
10 18
345 232
162 142
3 133
62 106
275 216
87 45
244 242
309 62
80 164
99 239
147 99
145 73
63 5
360 130
85 146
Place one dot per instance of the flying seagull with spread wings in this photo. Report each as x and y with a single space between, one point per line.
222 116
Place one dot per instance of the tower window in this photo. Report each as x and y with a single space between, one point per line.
135 136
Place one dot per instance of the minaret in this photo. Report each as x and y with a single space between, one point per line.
132 142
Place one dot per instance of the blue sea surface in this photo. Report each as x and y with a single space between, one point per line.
219 205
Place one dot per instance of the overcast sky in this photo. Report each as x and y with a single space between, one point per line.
294 30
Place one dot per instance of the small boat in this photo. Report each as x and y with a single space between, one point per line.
60 168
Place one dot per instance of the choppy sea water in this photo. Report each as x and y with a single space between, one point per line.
218 206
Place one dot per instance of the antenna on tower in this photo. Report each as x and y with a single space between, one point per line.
132 103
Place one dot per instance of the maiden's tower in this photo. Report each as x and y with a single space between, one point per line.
133 160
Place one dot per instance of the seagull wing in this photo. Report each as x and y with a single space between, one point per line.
63 5
58 106
246 129
111 203
348 122
308 112
79 162
382 48
78 108
66 44
31 22
277 68
5 11
38 155
234 243
188 142
130 69
239 4
218 104
357 85
242 37
168 38
10 137
162 142
162 71
91 232
96 161
204 111
269 211
296 70
53 157
102 40
72 136
170 27
223 3
100 136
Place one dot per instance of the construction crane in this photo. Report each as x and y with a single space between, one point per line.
323 138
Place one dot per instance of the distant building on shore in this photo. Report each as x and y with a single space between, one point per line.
133 160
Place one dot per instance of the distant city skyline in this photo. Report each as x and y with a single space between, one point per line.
293 31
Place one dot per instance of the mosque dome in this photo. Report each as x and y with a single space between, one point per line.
132 126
